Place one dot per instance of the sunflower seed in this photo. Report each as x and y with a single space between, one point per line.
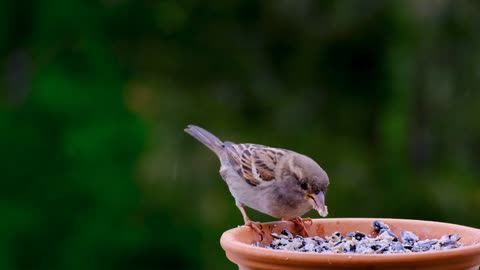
386 242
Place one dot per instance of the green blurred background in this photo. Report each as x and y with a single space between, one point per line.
97 173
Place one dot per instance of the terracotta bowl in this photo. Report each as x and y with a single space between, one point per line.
237 244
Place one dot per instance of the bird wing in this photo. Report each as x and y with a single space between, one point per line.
255 163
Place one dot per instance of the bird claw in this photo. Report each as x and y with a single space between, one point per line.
309 220
256 226
301 222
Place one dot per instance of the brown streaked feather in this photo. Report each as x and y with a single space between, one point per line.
255 163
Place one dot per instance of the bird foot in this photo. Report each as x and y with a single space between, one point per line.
301 223
256 226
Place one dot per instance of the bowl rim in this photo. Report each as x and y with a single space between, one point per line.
263 254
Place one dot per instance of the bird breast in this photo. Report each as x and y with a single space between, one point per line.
267 198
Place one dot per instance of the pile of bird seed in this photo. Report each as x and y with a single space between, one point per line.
386 242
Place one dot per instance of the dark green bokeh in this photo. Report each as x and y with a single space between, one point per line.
98 174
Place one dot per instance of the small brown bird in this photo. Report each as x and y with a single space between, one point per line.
274 181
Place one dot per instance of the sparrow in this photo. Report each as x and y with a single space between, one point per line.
277 182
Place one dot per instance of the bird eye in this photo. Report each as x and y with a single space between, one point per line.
304 186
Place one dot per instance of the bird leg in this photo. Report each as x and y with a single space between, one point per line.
300 222
256 226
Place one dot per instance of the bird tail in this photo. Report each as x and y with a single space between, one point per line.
207 138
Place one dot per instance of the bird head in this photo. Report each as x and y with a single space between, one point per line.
311 180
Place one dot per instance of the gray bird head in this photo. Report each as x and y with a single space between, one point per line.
312 181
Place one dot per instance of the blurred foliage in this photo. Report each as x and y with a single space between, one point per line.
98 174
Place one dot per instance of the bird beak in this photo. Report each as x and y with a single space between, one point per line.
318 203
